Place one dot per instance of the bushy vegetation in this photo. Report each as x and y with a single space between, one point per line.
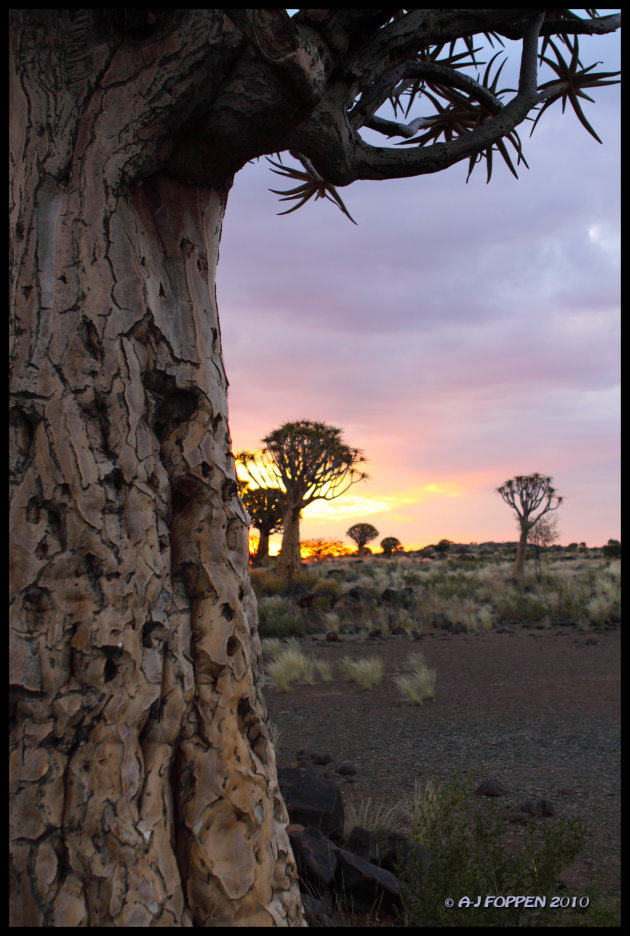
461 852
404 594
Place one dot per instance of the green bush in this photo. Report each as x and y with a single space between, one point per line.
274 621
463 856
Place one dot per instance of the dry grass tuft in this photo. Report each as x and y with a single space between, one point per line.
366 672
417 683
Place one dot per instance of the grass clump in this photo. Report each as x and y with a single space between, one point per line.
377 817
366 672
417 682
462 853
288 667
287 664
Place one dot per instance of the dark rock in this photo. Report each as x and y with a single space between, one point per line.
318 911
315 855
332 636
363 843
363 884
397 851
346 769
403 597
521 818
312 800
491 788
538 807
321 757
355 599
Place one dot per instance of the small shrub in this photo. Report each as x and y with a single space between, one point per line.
327 586
464 854
267 582
277 621
331 622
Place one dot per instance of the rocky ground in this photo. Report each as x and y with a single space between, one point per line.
537 709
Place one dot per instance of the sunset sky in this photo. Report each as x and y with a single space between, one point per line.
460 335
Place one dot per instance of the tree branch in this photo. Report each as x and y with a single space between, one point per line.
442 74
595 26
370 162
400 40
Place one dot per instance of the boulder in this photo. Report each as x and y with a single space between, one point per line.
364 844
491 788
315 855
397 850
312 800
362 884
538 807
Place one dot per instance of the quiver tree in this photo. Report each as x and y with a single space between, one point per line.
362 533
143 783
527 494
266 508
391 544
311 462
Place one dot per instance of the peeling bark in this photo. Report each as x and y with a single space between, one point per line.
143 780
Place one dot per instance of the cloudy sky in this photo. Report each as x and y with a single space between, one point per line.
460 334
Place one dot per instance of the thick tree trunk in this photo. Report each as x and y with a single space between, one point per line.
521 550
289 560
143 779
262 550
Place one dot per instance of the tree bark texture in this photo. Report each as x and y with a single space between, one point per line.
289 558
143 779
262 549
521 549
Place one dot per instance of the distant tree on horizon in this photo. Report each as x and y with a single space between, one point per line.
310 462
527 494
266 508
443 546
321 548
612 549
362 533
390 545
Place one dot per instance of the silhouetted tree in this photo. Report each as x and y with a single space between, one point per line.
310 462
320 548
442 547
612 549
527 494
144 789
266 508
390 545
362 533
